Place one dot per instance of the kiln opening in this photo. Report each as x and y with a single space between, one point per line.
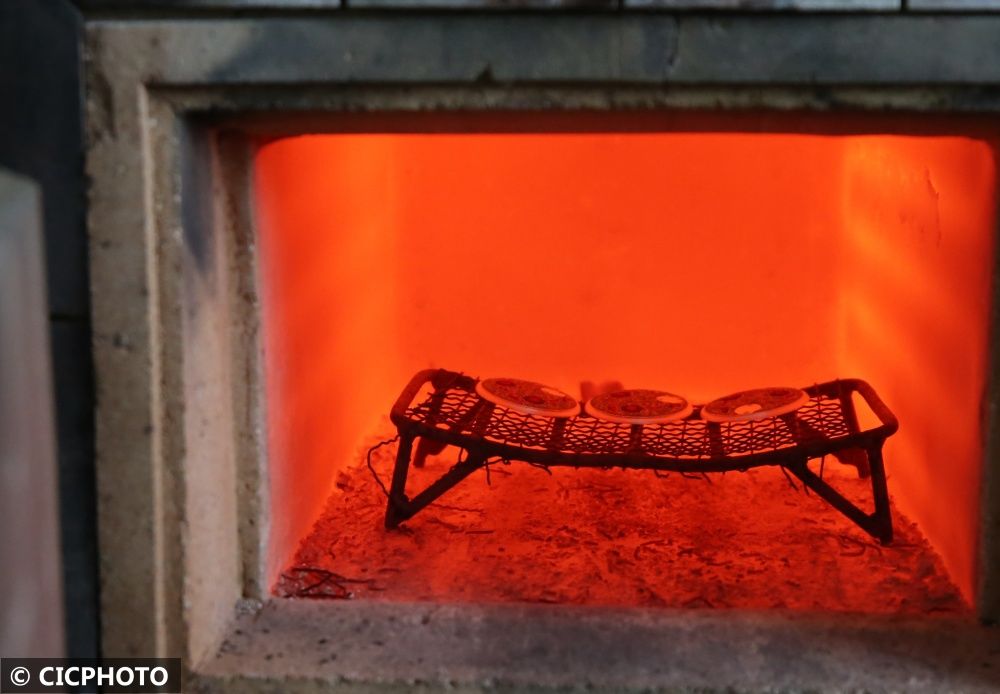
695 264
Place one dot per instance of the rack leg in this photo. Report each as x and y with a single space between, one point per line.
399 507
426 447
877 524
715 440
397 502
448 480
882 517
852 456
635 438
556 436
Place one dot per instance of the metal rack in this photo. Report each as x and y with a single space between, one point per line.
451 413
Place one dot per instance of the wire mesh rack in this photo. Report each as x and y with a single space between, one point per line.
462 411
442 408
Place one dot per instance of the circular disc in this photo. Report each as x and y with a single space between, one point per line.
638 407
528 397
753 405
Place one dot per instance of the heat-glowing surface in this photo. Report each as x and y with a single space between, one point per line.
694 263
918 217
614 537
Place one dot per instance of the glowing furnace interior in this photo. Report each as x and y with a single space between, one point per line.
699 263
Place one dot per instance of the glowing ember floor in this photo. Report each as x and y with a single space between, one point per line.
597 537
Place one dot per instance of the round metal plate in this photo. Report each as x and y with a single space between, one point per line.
528 397
638 406
754 405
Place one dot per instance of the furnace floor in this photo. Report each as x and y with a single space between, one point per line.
613 537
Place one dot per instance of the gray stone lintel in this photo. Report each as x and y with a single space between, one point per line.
954 5
770 5
203 6
524 48
739 5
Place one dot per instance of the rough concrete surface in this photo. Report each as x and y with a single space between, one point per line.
366 646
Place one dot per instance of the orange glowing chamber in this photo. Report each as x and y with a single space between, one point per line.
699 263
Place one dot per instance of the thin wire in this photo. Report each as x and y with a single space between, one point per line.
493 461
542 466
371 468
788 477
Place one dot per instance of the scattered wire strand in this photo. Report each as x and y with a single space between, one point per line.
371 468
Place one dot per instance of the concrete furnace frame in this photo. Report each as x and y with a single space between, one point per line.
170 105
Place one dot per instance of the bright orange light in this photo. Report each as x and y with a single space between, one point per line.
694 263
918 220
